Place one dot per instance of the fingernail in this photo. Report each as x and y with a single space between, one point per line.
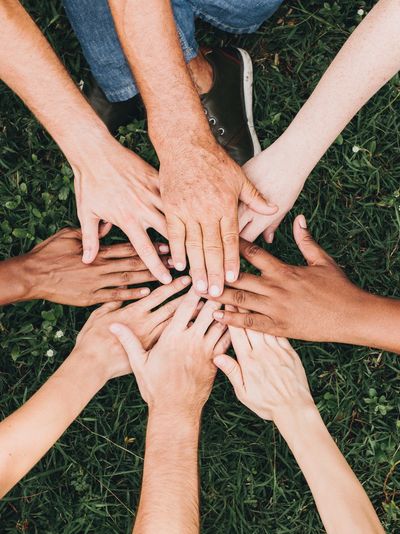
166 278
186 280
218 360
86 255
170 262
179 266
230 276
164 248
201 286
218 314
270 237
214 291
302 222
145 291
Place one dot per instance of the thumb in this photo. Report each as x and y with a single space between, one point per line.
130 342
90 239
312 252
254 199
230 367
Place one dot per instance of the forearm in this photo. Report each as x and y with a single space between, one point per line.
169 500
28 433
150 40
15 285
374 323
30 67
341 500
368 59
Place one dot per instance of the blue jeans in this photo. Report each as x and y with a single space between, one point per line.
94 27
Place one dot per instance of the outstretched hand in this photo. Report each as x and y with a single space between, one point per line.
177 374
268 376
316 302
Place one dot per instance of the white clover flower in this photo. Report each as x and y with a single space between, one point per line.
356 149
59 334
360 12
50 353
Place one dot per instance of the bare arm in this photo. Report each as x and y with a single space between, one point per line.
169 499
340 498
332 308
103 169
175 379
45 416
367 60
268 377
200 184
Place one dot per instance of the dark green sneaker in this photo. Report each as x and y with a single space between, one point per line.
113 114
229 103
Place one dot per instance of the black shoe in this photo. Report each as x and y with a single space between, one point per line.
113 114
229 103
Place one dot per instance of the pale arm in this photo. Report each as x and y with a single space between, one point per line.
30 67
46 415
367 60
169 500
340 498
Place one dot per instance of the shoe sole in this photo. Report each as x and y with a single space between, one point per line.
248 98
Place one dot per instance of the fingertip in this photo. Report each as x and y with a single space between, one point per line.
219 360
301 221
116 328
218 315
87 256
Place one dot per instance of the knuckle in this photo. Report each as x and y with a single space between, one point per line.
115 294
240 297
230 239
248 320
124 277
253 250
146 251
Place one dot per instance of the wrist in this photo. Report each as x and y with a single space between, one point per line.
296 420
90 367
19 282
88 142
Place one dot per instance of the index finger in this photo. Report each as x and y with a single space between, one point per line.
257 256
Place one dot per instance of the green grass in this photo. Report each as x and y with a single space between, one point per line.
90 480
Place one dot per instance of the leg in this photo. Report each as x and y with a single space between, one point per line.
94 27
235 16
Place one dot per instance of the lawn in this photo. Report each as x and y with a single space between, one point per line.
90 480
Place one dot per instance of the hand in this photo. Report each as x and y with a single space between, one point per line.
118 187
177 374
200 189
268 376
315 303
55 271
96 341
279 178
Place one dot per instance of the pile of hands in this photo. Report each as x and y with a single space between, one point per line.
175 348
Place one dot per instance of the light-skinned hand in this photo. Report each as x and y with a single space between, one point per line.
267 376
200 192
121 189
177 374
280 178
146 318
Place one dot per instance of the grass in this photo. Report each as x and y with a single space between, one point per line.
90 480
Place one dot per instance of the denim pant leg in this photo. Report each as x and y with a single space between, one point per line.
235 16
94 26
